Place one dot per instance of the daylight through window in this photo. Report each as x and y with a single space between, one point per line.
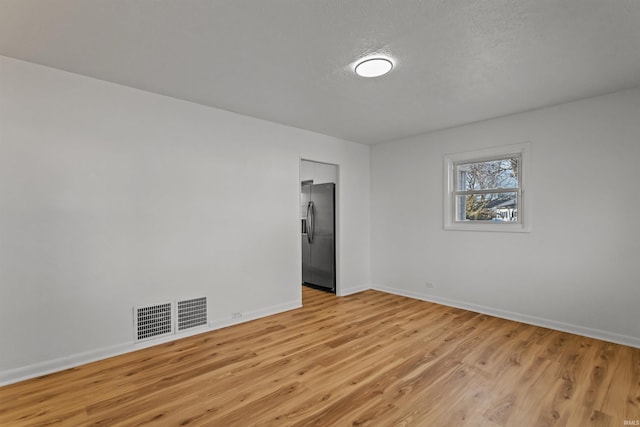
485 189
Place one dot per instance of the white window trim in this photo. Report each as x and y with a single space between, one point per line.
523 150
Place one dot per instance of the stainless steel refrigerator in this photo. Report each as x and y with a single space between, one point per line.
318 236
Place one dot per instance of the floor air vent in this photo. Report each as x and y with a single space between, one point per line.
192 313
153 321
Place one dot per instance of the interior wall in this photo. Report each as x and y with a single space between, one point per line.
578 268
319 173
111 197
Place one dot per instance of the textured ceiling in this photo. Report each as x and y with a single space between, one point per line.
290 61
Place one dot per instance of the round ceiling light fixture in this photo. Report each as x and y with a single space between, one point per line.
373 67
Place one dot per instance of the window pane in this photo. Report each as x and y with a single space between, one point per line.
497 207
488 175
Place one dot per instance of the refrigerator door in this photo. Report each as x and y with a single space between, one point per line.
320 270
305 201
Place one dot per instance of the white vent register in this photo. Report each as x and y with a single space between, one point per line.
192 313
158 320
152 321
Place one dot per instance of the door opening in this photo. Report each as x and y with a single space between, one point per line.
318 224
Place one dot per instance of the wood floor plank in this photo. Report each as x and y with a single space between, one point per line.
368 359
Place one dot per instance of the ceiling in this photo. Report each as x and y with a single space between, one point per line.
291 61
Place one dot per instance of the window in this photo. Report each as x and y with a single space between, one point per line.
485 190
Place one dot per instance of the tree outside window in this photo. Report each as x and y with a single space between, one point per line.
485 189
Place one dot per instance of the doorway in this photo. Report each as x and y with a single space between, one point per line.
318 229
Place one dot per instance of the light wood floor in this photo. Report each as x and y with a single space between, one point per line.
367 359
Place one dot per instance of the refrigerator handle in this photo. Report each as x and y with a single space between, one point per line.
311 226
308 222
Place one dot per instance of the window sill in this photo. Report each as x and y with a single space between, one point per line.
491 227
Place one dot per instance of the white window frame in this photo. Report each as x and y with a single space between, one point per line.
523 152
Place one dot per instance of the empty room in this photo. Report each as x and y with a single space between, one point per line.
319 213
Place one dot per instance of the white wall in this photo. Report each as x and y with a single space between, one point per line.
579 268
112 197
319 173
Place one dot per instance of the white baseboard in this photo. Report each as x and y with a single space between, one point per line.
11 376
255 314
354 290
518 317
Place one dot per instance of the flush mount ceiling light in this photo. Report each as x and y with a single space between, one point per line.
373 67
